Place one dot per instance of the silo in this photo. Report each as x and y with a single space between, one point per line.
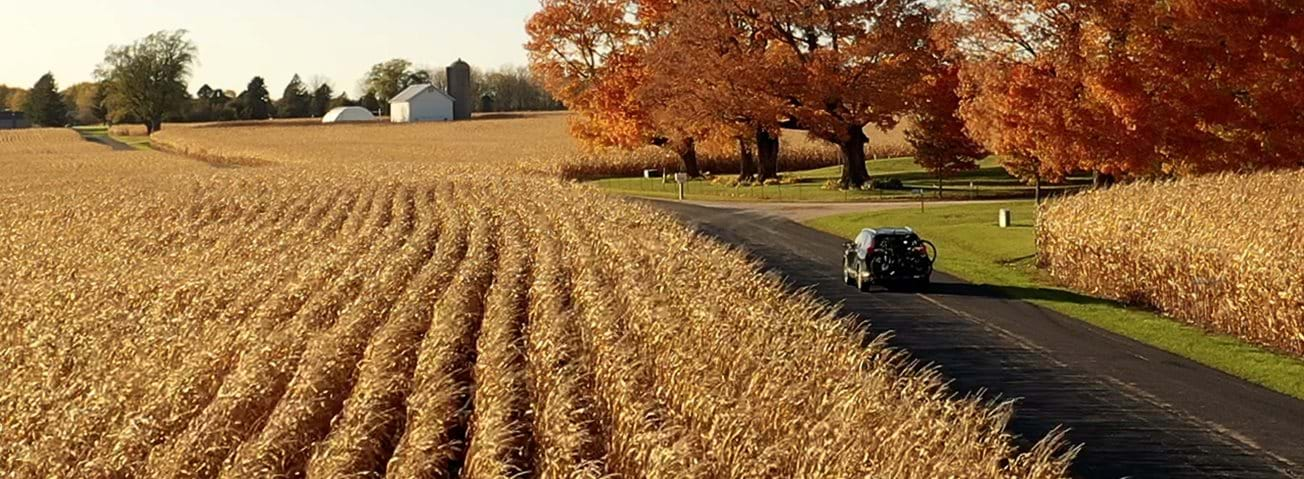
459 87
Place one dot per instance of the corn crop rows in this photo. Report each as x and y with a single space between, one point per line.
1223 253
426 318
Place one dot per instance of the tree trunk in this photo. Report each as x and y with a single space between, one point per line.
1037 188
1100 180
854 172
767 146
747 168
687 151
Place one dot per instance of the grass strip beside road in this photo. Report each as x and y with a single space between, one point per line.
989 181
975 249
102 132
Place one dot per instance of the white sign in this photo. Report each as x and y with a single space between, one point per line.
681 178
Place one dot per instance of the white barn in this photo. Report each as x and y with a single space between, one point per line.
346 114
421 102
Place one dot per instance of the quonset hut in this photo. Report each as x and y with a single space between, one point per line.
348 114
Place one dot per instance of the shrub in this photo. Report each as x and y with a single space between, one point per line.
128 130
888 184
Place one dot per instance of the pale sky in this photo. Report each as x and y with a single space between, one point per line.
237 39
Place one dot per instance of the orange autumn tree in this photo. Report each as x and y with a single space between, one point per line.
717 67
1217 83
590 54
1134 88
942 146
1024 96
848 65
831 68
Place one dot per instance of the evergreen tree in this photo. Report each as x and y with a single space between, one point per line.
342 100
321 100
44 105
255 102
370 102
296 101
205 92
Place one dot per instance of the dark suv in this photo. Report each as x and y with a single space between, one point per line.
889 257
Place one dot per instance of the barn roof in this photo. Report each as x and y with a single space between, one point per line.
416 90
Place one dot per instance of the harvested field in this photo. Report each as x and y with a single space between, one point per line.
535 142
1220 252
414 313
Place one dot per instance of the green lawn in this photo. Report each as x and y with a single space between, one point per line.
102 131
990 181
974 248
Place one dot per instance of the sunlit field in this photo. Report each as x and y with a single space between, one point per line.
434 300
537 143
1220 252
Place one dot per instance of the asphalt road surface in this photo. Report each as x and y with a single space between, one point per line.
1137 411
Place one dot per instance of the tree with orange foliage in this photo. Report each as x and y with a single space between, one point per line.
590 54
942 146
830 68
718 72
1215 82
1021 85
1135 87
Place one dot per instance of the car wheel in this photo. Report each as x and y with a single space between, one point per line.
861 284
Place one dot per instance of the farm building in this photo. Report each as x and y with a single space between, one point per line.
460 88
12 120
421 102
347 114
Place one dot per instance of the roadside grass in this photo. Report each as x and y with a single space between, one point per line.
102 131
990 181
974 248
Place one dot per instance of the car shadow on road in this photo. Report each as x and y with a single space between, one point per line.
1018 292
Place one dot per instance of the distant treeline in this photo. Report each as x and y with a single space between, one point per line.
506 89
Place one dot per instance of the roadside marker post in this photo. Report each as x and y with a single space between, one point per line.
1005 219
682 180
920 194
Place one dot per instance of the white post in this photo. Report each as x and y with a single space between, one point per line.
682 180
1005 218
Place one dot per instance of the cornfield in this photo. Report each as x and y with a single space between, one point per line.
1224 252
537 142
416 312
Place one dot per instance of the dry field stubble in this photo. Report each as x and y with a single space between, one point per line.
1221 252
534 142
426 317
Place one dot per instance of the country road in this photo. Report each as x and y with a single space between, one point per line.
1137 411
